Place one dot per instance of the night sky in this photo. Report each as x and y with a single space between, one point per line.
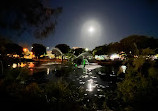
90 23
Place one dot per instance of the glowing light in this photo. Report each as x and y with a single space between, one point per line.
14 65
47 47
86 49
31 65
25 49
91 29
123 68
90 85
114 56
48 71
31 53
22 65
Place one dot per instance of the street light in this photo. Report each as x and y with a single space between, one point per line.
25 49
86 49
47 48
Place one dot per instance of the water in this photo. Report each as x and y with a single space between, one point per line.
93 79
93 83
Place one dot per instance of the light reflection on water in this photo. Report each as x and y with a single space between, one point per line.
90 80
22 64
96 82
48 71
14 65
90 85
31 65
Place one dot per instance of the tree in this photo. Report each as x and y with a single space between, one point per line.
100 50
78 51
115 47
8 47
64 48
134 43
148 51
140 81
30 15
12 48
3 42
38 49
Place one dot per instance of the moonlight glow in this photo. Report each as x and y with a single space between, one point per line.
91 32
91 29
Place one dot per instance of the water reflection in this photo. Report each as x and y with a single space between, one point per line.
31 65
92 81
84 76
22 64
48 71
14 65
123 68
90 85
96 81
31 72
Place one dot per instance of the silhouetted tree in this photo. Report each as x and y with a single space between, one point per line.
12 48
115 47
148 51
100 50
78 51
22 15
64 48
8 47
140 81
3 42
138 42
38 49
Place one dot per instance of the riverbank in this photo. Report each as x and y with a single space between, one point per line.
50 60
109 62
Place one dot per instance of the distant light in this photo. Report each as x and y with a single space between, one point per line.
22 65
14 65
123 67
31 65
91 29
31 53
114 56
25 49
47 47
86 49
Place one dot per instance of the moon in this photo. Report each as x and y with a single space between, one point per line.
91 29
91 32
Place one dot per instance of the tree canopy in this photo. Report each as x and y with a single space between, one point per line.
12 48
38 49
33 15
64 48
8 47
134 44
78 51
100 50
